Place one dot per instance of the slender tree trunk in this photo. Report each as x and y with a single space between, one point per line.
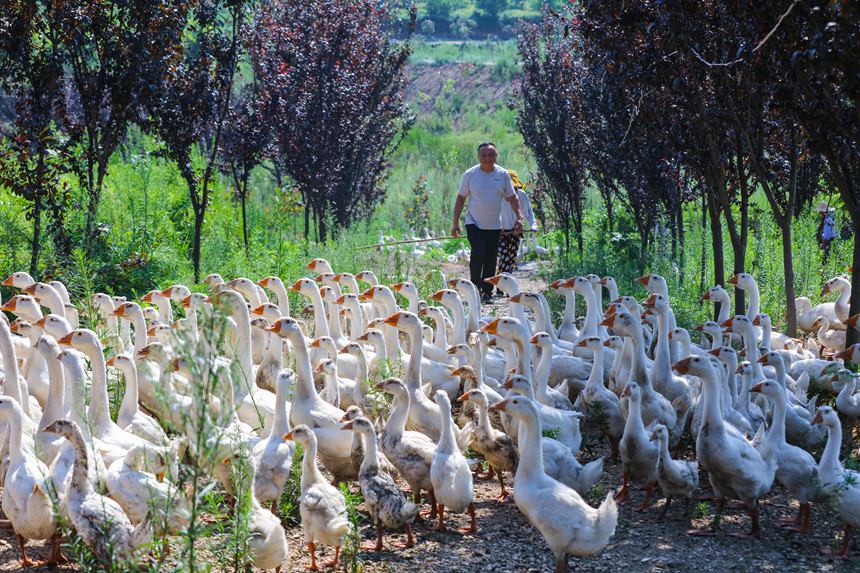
243 199
199 215
855 285
704 257
35 244
307 217
717 246
788 264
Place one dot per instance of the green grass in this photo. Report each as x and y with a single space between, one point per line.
463 51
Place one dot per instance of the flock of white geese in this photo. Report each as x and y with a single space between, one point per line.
524 392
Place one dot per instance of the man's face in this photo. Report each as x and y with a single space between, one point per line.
487 155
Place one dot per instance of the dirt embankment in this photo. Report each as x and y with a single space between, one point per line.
474 83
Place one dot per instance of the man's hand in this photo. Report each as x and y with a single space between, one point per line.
455 230
518 227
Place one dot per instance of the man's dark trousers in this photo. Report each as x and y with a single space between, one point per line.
482 261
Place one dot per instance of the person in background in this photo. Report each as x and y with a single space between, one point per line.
826 229
509 240
486 186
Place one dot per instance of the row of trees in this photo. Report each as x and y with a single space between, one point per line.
660 104
313 89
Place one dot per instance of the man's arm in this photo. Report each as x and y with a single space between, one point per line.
515 207
458 208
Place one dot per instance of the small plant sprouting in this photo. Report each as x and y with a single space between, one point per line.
352 546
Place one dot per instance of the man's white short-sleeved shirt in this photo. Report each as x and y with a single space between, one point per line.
485 191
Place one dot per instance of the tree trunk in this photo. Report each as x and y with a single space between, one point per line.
855 286
717 246
199 215
788 264
739 252
35 244
307 217
704 257
243 196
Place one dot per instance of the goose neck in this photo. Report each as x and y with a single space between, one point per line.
530 467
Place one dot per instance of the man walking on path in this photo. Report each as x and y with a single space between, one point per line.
486 185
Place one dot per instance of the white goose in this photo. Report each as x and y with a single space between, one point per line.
568 524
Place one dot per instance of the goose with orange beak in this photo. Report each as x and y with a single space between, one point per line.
567 330
386 504
322 506
796 469
567 523
737 470
320 266
835 480
497 447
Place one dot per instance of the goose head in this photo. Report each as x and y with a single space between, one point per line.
121 362
579 284
771 359
738 324
128 310
609 283
367 277
850 354
464 373
404 321
827 417
83 340
23 305
660 434
743 281
393 386
304 286
406 288
836 284
716 294
22 327
54 325
679 334
260 323
542 340
176 292
653 283
325 344
700 366
66 428
593 342
744 368
632 392
518 383
347 280
213 279
19 280
301 434
267 310
270 281
460 350
447 297
852 321
519 407
444 403
352 348
155 352
769 388
657 302
505 283
347 299
47 346
475 396
320 266
614 342
622 322
287 327
103 304
359 424
326 367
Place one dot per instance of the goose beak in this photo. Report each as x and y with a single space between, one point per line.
757 320
643 280
41 322
311 265
846 354
392 320
257 310
714 352
582 343
464 397
699 327
166 292
852 320
733 280
609 321
603 281
111 361
66 340
295 287
363 337
555 284
825 290
366 295
160 476
452 282
706 296
727 323
437 296
492 327
347 426
756 388
340 300
762 359
500 407
651 300
263 282
818 419
493 280
516 298
288 436
9 281
534 339
10 305
682 366
380 386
